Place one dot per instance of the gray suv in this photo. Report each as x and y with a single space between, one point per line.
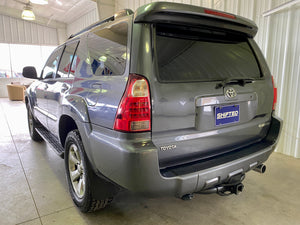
173 99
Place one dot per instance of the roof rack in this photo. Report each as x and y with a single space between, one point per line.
122 13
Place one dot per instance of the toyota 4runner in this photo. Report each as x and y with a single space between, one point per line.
173 99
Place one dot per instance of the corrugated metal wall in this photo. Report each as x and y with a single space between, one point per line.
19 31
283 56
83 22
279 39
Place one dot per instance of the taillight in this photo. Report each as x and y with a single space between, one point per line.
274 94
134 111
216 13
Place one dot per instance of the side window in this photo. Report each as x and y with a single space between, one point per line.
74 65
50 68
66 60
103 53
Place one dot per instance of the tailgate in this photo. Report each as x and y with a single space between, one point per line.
210 95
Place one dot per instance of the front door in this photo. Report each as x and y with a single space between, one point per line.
60 87
42 91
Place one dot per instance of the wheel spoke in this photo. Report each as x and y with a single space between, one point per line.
75 149
73 158
80 187
74 175
83 182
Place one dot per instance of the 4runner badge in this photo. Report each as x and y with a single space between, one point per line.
168 147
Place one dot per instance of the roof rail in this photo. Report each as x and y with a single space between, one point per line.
122 13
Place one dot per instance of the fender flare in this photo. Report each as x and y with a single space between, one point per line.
76 107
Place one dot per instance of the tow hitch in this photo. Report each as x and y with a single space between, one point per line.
230 189
232 186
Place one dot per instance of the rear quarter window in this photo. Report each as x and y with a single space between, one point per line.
194 54
103 52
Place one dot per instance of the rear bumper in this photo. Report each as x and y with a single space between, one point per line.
133 164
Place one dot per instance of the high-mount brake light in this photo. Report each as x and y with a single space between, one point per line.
216 13
274 94
134 111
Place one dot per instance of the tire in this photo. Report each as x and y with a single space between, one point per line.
79 175
32 125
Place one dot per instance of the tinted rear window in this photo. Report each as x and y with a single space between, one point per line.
194 54
103 53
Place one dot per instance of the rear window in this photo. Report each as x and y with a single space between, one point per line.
195 54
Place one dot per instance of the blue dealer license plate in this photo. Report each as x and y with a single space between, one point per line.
227 114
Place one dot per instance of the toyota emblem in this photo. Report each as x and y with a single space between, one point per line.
230 93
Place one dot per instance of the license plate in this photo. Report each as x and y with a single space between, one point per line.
227 114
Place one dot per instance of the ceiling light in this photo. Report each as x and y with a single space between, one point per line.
103 58
27 13
40 2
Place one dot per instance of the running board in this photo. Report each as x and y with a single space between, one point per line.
52 140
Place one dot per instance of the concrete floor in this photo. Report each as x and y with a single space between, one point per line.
33 190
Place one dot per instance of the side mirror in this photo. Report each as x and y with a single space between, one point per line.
29 72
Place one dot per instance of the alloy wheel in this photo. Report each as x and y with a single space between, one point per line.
76 171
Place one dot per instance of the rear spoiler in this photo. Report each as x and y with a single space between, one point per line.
188 15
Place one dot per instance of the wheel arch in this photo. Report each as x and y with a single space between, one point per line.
28 103
66 124
26 100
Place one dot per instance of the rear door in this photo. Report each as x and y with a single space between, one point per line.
210 95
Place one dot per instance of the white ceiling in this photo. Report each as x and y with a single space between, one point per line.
66 12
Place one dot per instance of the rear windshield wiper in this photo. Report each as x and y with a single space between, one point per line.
235 80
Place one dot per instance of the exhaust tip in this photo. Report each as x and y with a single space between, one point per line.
240 187
260 168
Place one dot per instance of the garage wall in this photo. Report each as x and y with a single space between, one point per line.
19 31
106 9
278 37
82 22
284 58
